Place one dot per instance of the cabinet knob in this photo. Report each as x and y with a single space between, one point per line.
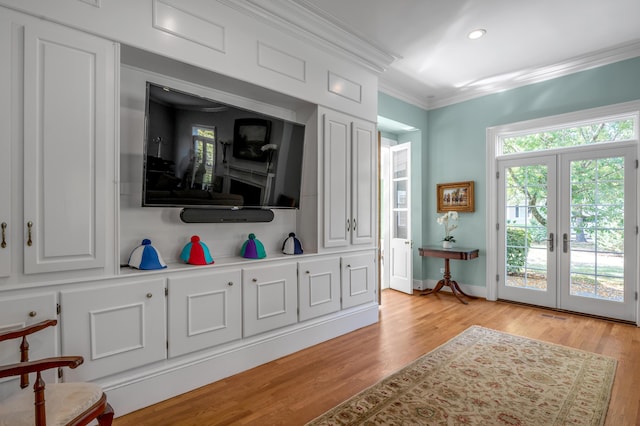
29 240
307 272
149 295
230 283
33 314
4 235
348 266
255 280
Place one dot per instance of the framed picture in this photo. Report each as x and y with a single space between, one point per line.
249 136
456 196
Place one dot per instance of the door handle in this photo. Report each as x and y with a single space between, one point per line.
565 243
550 241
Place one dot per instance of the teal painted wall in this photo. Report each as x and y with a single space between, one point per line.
454 144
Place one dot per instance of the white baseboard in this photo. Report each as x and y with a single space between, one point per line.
146 386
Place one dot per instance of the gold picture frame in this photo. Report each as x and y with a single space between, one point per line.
455 197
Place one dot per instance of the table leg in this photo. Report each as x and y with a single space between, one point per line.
459 290
447 281
436 289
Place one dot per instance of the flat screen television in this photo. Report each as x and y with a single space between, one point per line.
202 153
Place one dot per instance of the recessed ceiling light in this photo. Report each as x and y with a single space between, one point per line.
476 34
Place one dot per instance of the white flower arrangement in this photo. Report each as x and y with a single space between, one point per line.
448 221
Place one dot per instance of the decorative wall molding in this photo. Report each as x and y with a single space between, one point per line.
281 62
302 19
344 87
189 26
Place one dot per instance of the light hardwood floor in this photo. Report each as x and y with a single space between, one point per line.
295 389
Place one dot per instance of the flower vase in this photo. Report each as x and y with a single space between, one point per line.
447 244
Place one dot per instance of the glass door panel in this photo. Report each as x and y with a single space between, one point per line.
527 195
599 214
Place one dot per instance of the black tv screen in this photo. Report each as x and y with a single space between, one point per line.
203 153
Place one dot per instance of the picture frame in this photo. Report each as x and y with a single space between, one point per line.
455 197
249 136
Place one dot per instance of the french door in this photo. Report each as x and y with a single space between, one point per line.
401 261
567 233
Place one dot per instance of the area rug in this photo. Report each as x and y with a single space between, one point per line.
487 377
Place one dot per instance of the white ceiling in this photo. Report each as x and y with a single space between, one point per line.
422 49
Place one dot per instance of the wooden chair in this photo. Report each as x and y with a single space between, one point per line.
66 403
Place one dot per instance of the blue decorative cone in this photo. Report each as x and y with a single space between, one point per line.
145 256
292 245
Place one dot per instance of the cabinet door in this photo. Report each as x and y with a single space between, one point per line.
363 182
318 287
6 147
270 297
358 279
204 311
16 312
337 172
114 328
69 98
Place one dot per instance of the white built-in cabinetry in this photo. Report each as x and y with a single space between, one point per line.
318 287
358 277
20 311
349 155
61 123
204 310
146 336
69 100
115 327
6 148
270 297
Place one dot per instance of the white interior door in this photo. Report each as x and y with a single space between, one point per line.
400 257
567 237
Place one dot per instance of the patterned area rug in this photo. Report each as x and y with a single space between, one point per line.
486 377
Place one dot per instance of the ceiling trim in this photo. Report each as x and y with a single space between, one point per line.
521 78
302 19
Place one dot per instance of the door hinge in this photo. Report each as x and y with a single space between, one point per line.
497 175
60 373
636 295
497 226
167 344
58 309
497 277
636 229
166 291
636 163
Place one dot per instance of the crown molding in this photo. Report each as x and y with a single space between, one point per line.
522 78
302 19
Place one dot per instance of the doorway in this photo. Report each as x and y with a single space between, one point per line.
396 244
566 215
566 220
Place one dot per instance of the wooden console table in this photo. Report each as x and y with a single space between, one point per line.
456 253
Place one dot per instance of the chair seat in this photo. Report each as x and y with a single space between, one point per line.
64 402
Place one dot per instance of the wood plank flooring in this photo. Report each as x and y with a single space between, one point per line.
297 388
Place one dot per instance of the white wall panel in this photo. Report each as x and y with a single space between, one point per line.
281 62
188 25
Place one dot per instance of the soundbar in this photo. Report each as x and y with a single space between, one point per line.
225 216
